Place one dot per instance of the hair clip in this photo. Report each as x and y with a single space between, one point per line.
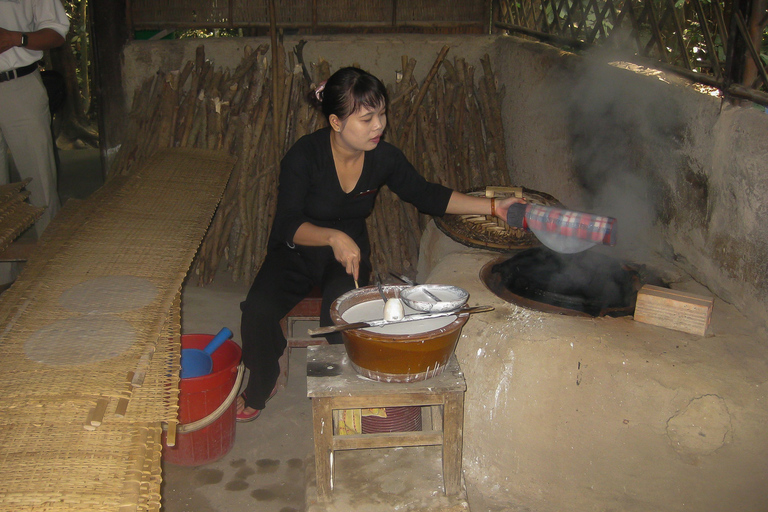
319 90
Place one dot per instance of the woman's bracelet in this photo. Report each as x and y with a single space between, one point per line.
493 207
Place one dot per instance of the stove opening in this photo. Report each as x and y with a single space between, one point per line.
586 283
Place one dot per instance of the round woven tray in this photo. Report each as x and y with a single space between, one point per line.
486 232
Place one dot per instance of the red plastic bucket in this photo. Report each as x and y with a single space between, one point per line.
199 397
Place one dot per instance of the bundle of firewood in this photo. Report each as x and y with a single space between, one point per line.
449 128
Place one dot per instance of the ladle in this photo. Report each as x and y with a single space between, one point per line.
408 280
196 362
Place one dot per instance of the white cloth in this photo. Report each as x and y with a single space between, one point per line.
29 16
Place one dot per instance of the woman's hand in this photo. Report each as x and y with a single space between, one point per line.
465 204
502 205
346 252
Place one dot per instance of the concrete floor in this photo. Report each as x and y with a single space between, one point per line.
271 468
265 469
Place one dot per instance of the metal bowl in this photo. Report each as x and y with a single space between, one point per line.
451 297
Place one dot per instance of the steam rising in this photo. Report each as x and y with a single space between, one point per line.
626 134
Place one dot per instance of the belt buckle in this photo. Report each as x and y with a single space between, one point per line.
5 76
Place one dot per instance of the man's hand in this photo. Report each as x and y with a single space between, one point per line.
9 39
43 39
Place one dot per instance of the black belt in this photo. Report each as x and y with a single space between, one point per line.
18 72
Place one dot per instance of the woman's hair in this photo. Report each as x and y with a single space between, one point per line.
347 90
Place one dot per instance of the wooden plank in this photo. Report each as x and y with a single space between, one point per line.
674 309
19 250
322 428
453 428
390 400
387 440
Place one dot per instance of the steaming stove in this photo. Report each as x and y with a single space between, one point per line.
581 284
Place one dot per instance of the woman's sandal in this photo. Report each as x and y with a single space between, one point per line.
245 417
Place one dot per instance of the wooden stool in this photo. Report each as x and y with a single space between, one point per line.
307 314
308 310
333 384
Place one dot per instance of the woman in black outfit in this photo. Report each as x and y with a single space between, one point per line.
328 183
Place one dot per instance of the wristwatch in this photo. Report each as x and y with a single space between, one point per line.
24 40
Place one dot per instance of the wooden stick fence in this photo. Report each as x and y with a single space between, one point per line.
449 126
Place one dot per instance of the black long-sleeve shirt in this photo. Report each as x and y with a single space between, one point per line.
309 189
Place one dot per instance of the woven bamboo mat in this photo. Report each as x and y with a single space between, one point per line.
486 232
16 215
90 339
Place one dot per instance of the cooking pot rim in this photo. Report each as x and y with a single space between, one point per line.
361 295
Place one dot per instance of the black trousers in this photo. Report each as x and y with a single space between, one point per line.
284 279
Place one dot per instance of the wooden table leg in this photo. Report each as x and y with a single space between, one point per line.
453 426
322 426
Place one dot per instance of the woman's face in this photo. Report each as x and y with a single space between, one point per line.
362 130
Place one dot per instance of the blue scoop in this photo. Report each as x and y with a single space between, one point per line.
196 362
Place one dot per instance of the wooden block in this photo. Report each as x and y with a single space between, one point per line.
20 250
170 437
99 411
674 309
122 407
503 191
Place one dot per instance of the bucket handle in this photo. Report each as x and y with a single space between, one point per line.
216 414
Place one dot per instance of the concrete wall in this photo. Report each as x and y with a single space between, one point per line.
378 54
684 175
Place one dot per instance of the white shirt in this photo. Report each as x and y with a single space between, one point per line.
29 16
